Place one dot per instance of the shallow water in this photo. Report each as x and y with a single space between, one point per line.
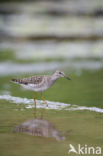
28 103
76 106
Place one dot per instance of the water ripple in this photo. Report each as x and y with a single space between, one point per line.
51 105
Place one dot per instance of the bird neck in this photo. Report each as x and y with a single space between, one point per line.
54 77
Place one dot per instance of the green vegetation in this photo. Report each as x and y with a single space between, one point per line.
6 55
9 55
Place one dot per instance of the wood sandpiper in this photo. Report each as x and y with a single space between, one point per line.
40 84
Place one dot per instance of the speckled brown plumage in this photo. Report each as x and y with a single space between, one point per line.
29 80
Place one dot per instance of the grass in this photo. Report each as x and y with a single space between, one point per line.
10 55
6 55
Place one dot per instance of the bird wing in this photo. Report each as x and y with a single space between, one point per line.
29 80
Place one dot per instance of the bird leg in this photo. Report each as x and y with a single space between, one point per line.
43 111
34 105
44 100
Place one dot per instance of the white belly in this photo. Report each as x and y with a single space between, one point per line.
35 88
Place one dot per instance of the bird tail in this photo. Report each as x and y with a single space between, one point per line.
15 80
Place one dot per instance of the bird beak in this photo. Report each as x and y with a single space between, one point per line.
67 77
63 75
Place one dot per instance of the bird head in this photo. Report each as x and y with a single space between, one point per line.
59 73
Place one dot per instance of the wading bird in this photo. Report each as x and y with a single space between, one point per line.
40 84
